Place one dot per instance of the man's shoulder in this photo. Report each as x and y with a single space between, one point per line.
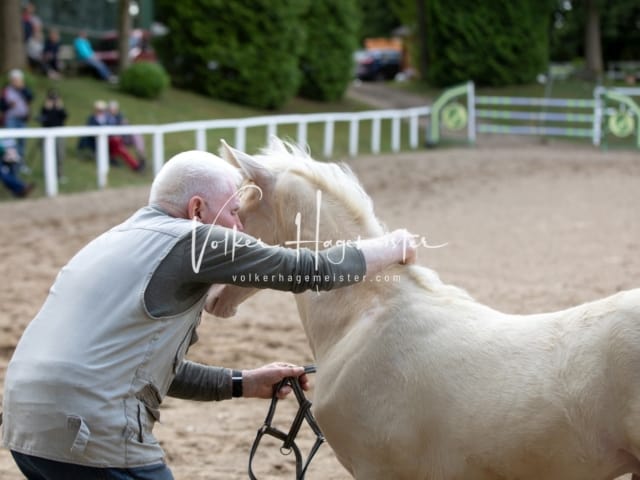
154 219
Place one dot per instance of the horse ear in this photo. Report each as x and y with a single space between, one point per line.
247 164
276 144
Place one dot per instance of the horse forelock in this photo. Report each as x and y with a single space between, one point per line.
336 179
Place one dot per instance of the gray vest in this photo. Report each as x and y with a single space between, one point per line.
88 375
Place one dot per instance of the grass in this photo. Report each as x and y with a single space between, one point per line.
79 94
573 88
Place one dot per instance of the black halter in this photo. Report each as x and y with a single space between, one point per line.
288 439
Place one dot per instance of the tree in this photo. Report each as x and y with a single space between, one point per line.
12 53
422 50
378 19
124 33
596 30
592 40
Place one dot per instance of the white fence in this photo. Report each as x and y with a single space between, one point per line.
239 125
492 110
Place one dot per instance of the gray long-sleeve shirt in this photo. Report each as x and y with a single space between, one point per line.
175 286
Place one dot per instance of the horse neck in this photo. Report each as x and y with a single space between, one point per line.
328 316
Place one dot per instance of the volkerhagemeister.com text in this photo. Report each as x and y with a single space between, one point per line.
306 279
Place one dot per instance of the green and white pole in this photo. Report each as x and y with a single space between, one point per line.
623 122
453 114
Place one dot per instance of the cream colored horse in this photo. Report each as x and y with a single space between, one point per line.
416 380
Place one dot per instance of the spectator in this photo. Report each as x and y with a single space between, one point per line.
53 114
15 104
51 51
29 18
99 117
84 52
140 46
35 52
8 175
116 145
134 140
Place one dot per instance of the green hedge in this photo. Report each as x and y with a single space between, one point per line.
492 43
332 36
144 79
241 51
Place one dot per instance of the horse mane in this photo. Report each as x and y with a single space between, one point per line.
337 179
430 280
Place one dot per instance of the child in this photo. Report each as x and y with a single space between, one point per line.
53 114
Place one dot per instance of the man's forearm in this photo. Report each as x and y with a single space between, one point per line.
199 382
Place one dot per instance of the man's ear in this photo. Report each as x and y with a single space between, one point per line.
248 165
194 206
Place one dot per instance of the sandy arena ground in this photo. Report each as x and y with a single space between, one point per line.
530 228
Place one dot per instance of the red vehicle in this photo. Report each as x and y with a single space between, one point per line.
106 47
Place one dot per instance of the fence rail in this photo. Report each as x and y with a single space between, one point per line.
238 125
611 108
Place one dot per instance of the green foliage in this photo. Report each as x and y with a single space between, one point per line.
144 79
327 62
378 19
493 43
501 43
240 51
618 24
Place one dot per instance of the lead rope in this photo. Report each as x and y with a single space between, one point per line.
288 439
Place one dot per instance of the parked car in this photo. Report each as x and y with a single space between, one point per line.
378 64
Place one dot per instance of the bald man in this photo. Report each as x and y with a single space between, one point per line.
84 386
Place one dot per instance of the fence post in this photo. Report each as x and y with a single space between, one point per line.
633 107
241 137
413 130
353 137
102 159
50 166
375 135
272 130
395 134
201 139
471 108
158 151
328 138
302 133
597 115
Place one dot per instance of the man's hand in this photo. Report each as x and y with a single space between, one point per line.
218 304
223 300
259 382
405 241
379 253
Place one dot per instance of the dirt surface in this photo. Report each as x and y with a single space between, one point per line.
529 228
